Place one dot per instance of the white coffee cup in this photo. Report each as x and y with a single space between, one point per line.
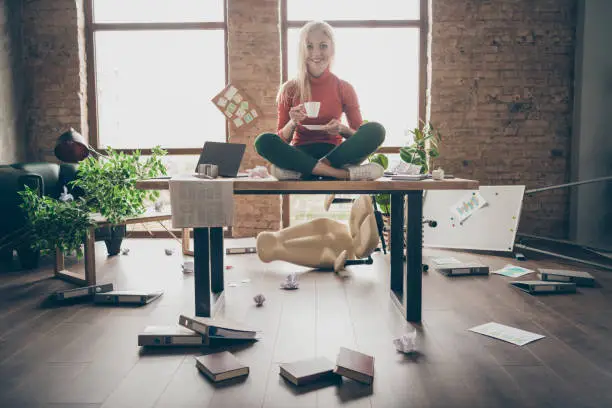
312 109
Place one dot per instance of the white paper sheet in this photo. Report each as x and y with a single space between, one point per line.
506 333
200 202
467 206
512 271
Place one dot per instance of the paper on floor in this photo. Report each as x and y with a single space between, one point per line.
506 333
512 271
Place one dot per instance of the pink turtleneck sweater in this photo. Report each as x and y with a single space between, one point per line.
336 97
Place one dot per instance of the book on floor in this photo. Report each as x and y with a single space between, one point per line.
307 371
580 278
461 269
170 336
537 287
221 366
355 365
85 291
219 328
133 297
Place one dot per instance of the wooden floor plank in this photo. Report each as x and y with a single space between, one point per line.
85 355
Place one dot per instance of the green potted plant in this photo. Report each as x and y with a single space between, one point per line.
104 185
423 149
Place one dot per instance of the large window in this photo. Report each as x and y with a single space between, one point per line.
381 50
378 50
154 67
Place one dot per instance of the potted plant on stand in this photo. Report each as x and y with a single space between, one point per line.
104 185
418 156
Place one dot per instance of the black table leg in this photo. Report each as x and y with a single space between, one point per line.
414 257
208 270
397 245
201 261
216 259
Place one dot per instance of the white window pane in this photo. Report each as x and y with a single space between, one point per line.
155 88
149 11
353 10
382 64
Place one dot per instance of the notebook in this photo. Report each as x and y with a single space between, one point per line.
218 328
355 365
170 336
308 371
561 275
221 366
537 287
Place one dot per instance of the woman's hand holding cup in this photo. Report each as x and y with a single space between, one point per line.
297 114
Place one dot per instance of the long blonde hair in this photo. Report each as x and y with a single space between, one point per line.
300 85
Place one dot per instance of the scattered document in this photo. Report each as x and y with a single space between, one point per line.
512 271
200 202
467 206
445 261
506 333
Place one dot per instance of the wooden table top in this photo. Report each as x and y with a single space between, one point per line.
274 186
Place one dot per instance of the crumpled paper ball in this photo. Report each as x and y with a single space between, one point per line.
258 172
65 196
406 343
259 299
188 267
291 282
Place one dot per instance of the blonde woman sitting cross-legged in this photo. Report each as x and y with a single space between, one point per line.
324 243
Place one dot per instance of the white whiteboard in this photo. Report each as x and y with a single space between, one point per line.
490 228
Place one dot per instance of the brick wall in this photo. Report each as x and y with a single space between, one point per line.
254 65
502 75
56 91
12 135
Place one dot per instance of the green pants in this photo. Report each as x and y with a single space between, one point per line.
304 158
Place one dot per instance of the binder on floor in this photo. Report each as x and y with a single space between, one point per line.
170 336
540 287
561 275
461 269
235 251
85 291
219 328
133 297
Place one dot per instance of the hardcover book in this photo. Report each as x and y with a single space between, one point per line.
355 365
221 366
307 371
218 328
170 336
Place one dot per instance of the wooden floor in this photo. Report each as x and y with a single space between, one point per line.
87 356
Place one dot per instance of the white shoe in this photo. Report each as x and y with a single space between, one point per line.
284 174
368 171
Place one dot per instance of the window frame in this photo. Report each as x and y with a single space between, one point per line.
422 24
92 27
